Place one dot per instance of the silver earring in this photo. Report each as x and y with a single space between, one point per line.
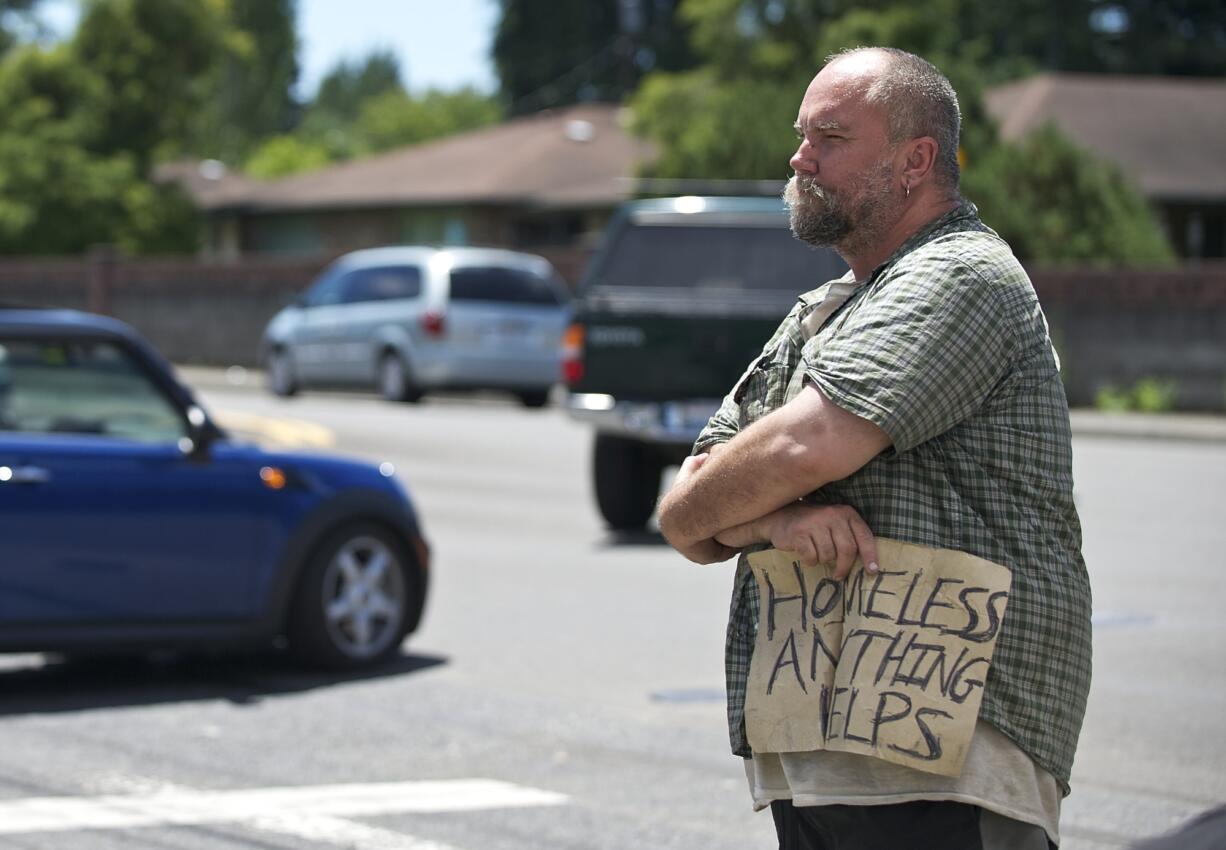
907 190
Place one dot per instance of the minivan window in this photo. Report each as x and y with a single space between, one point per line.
384 283
498 283
717 257
326 291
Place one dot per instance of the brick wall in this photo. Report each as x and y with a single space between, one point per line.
1119 326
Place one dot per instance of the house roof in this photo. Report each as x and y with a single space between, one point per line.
1166 133
207 182
577 156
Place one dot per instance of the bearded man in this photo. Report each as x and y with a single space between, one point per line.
916 398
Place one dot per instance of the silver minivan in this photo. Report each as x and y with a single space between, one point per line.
406 320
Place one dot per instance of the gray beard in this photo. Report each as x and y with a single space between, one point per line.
822 218
816 215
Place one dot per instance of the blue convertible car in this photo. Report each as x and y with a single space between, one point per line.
129 520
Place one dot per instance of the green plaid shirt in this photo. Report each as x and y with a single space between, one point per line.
945 348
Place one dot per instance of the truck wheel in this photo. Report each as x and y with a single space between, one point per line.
627 475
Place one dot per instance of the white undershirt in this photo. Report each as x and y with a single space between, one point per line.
996 776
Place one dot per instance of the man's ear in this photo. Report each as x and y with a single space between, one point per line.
919 157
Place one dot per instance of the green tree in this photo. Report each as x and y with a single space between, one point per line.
15 15
729 118
250 89
551 54
347 86
388 120
85 120
1054 202
394 119
153 60
59 195
280 156
329 122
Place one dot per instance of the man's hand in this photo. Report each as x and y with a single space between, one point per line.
819 534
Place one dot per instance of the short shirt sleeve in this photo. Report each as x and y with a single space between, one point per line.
725 424
918 354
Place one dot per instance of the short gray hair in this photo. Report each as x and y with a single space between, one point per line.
918 101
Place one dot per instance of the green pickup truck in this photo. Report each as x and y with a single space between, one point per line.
680 297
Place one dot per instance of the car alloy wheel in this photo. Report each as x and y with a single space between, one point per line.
353 600
363 596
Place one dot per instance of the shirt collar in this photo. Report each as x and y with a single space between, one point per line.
964 216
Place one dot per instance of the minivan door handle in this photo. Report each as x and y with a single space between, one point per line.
24 475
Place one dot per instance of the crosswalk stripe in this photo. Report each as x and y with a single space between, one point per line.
345 833
183 806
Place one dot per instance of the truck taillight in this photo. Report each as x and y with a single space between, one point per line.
572 355
433 323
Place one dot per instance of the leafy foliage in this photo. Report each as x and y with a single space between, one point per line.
250 83
143 81
1054 202
347 86
363 108
150 59
14 12
283 155
550 54
729 118
69 176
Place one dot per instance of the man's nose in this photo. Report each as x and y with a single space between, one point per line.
804 161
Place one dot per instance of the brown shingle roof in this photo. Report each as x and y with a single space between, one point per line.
208 183
1167 133
577 156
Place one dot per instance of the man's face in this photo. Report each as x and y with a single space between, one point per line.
844 192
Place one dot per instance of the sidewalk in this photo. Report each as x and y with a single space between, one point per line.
1190 427
1183 427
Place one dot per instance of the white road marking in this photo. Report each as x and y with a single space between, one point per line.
346 833
259 805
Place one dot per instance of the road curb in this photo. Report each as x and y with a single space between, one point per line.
1183 427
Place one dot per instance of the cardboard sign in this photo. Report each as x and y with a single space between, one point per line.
890 665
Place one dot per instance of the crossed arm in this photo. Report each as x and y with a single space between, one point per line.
746 490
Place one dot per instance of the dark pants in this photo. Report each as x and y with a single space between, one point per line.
924 825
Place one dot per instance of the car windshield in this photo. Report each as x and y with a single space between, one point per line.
81 387
716 257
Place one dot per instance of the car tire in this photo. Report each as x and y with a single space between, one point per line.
627 476
534 398
282 381
394 381
354 600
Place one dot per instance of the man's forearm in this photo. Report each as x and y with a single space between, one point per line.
789 453
748 478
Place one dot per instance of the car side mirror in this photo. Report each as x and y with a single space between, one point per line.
200 434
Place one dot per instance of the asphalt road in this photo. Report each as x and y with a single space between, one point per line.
565 689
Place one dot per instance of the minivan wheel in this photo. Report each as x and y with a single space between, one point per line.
281 378
394 382
627 474
351 607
